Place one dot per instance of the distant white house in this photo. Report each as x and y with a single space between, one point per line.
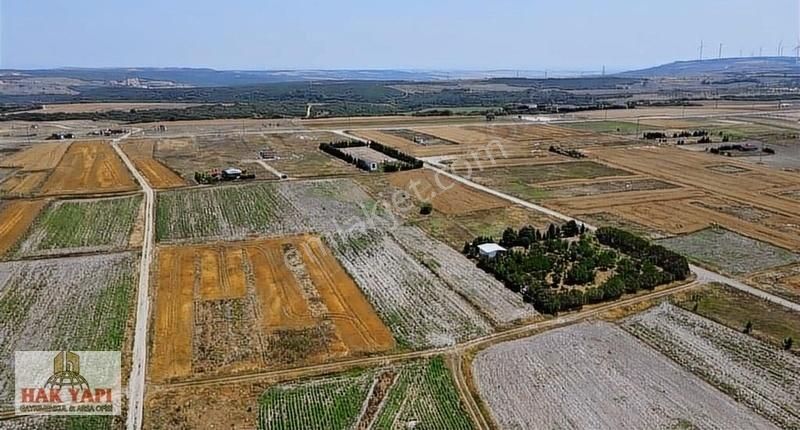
490 250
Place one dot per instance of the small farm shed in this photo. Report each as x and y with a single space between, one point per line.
490 250
231 173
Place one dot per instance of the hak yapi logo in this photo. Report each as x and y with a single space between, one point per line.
66 390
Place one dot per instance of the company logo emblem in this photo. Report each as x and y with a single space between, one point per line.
67 383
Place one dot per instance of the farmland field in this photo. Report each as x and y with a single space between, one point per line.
594 375
158 175
521 181
326 404
731 200
446 195
596 188
23 184
527 132
82 226
416 395
783 282
421 309
87 168
41 156
297 154
771 323
617 127
729 251
271 303
761 376
79 303
497 302
16 216
273 209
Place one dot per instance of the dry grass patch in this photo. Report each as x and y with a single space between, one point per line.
446 195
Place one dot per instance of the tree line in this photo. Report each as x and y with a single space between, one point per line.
405 161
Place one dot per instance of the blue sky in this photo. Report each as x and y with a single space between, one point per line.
410 34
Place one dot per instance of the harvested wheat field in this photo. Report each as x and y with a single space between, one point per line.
526 132
593 376
88 168
446 195
41 156
16 217
23 183
234 307
700 170
157 174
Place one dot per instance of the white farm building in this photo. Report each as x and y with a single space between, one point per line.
490 250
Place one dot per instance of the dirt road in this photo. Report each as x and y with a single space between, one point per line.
136 381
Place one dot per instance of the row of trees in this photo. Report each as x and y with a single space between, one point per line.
335 149
405 161
397 155
670 262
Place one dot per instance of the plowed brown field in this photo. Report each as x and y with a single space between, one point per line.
226 308
42 156
87 168
15 218
446 195
157 174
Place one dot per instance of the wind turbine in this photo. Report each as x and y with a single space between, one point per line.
720 50
701 50
780 48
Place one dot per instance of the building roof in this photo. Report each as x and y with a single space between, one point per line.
488 248
232 171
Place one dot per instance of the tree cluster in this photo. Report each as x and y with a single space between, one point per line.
550 265
672 263
573 153
653 135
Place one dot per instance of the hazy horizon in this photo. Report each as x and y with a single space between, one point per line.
412 35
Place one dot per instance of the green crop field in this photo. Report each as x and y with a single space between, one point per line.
224 211
82 226
417 395
424 393
315 405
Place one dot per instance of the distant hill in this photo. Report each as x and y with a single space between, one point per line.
744 66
